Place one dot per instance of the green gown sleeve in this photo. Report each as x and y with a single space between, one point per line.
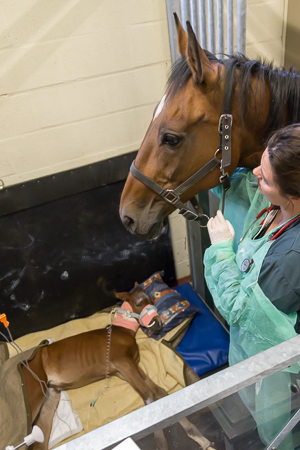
223 280
255 323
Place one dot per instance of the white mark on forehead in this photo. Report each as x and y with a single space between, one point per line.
160 107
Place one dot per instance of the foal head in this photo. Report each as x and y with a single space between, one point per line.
139 301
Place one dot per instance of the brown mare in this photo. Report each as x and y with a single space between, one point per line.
84 358
183 135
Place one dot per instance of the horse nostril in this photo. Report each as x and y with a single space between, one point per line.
128 222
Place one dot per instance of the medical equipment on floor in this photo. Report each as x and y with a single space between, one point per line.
35 436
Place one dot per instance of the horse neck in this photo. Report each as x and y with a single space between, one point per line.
252 126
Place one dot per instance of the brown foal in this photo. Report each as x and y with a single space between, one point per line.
82 359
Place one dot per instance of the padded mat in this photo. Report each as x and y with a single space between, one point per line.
205 345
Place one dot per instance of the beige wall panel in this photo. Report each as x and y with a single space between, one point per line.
292 51
75 101
264 21
5 37
17 115
34 21
6 168
73 145
84 56
271 50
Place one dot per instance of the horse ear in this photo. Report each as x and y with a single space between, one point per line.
122 295
182 38
200 65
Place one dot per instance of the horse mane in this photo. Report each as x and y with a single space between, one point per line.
284 86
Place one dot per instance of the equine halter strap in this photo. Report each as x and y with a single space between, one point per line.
172 196
144 319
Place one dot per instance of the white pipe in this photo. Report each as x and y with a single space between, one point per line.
211 26
185 12
241 26
202 20
194 17
220 26
173 6
230 47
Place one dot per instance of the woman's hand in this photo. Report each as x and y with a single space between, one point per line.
219 229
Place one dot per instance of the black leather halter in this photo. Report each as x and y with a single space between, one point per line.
172 196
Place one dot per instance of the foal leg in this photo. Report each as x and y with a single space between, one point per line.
45 418
158 391
147 389
128 371
193 432
190 429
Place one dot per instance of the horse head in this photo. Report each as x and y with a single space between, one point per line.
141 304
183 134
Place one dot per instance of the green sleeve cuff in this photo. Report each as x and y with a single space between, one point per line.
218 252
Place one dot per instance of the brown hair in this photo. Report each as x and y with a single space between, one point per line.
284 154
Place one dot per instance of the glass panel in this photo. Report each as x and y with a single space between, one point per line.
247 420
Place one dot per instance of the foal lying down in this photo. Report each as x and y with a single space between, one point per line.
94 355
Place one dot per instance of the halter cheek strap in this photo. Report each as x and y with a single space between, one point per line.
125 317
172 196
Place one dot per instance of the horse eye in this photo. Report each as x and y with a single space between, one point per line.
171 139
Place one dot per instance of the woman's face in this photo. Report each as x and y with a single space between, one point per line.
266 183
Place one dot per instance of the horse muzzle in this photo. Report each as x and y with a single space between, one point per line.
141 229
150 319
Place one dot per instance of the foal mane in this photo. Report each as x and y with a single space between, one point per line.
284 86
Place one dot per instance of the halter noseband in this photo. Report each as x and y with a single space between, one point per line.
149 310
172 196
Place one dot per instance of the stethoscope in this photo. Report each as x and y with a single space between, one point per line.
247 264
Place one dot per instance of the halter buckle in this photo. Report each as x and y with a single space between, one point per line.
224 180
189 215
222 117
170 196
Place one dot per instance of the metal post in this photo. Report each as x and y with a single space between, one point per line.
185 12
173 6
211 26
194 17
220 26
241 26
202 21
230 46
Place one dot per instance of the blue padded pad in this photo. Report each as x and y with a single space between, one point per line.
206 343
